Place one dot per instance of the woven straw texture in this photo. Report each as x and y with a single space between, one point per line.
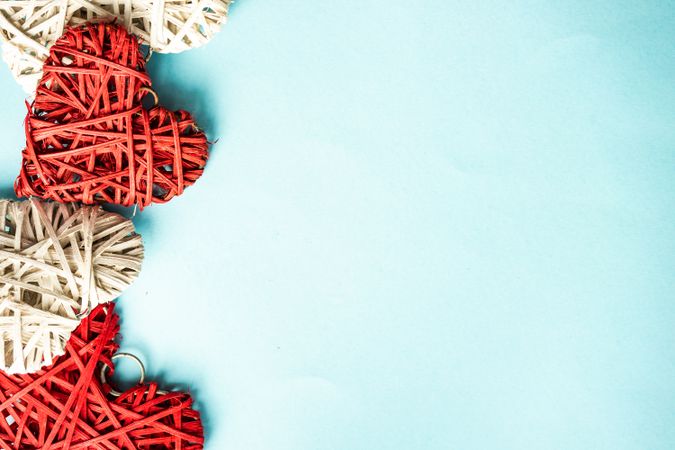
66 406
88 137
57 263
30 27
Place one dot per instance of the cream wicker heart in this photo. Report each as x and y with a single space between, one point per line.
29 27
57 263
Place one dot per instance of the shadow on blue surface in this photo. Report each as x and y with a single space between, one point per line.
175 94
7 191
162 377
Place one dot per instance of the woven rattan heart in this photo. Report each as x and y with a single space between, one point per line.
57 263
89 139
66 406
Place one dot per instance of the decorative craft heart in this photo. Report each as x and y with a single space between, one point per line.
66 406
29 29
89 139
57 263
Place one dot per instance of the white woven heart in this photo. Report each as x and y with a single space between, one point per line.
29 27
31 338
57 263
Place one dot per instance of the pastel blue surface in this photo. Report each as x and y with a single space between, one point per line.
425 225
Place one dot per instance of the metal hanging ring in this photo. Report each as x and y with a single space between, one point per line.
147 90
114 392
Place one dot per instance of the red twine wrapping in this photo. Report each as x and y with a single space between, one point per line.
88 139
66 407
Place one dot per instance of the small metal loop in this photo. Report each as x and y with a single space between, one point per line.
114 392
151 92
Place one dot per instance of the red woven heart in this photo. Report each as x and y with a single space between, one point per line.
65 406
88 138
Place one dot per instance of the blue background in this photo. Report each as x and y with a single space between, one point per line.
425 225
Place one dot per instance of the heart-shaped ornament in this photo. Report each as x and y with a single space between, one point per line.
89 138
67 406
29 28
57 263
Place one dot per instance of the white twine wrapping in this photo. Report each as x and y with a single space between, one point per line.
31 338
57 263
29 27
